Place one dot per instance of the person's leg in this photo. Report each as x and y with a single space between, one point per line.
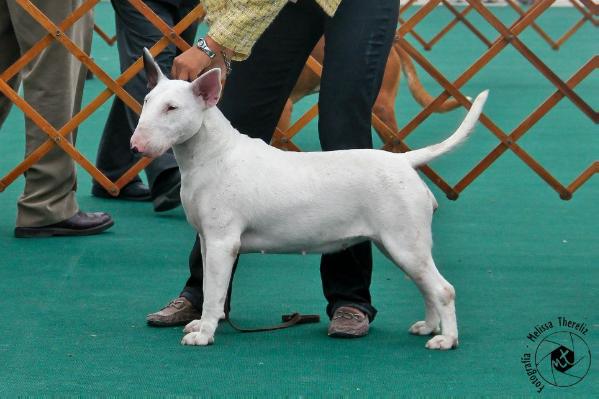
9 53
163 174
256 91
49 194
357 43
134 32
114 157
164 178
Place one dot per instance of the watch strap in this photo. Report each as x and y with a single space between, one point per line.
202 45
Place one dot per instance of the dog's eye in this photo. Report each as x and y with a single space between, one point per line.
170 108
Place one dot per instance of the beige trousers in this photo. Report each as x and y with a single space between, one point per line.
53 85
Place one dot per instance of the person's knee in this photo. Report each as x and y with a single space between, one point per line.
339 131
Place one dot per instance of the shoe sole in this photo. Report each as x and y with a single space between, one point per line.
155 323
160 323
103 194
169 200
345 335
37 232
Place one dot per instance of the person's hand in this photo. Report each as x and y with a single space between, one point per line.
189 64
219 62
193 62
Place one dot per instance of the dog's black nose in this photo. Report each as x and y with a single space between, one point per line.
134 150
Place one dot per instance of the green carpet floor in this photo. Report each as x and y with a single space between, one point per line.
73 309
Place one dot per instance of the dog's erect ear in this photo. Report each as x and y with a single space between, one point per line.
153 72
208 86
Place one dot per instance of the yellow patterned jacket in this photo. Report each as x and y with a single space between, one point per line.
237 24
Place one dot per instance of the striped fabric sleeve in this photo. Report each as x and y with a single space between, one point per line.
237 24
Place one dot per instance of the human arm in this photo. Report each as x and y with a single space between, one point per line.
234 28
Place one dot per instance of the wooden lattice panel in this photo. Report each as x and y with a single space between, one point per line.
393 140
508 36
56 33
587 9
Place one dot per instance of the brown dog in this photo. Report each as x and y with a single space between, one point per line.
384 107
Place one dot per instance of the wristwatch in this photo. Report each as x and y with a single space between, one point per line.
202 45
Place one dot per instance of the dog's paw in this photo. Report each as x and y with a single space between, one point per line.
197 339
194 326
442 342
421 328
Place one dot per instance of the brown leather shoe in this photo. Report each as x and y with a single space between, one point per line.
348 322
80 224
177 313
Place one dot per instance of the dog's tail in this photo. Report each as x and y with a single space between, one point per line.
424 155
418 91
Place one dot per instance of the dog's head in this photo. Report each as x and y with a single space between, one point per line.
173 110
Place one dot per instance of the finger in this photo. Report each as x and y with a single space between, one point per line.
183 74
189 76
174 71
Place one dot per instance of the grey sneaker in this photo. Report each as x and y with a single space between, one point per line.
348 322
178 312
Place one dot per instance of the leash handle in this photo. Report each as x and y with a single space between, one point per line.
288 321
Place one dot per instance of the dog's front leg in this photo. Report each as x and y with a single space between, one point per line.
218 258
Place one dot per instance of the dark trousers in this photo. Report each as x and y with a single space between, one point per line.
358 39
134 32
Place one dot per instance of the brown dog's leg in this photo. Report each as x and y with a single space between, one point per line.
285 120
307 83
384 106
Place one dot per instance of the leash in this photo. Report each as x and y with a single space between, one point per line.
288 320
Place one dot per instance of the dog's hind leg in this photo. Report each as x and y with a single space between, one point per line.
218 258
439 296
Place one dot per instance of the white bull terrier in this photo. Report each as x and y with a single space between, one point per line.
242 195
